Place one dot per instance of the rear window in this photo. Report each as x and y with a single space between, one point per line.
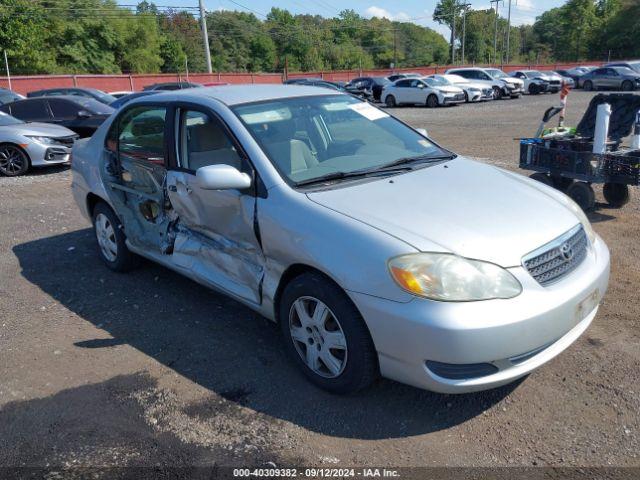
93 106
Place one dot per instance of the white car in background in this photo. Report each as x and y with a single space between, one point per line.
424 91
473 91
502 84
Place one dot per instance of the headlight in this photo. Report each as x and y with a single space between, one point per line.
448 277
44 140
586 224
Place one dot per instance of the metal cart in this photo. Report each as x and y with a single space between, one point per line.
567 162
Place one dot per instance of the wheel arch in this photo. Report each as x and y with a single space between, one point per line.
92 200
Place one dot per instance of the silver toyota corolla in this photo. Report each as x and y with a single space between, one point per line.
24 145
376 250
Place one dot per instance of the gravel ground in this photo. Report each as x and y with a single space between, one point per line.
151 369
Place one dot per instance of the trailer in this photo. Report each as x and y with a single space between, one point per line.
565 158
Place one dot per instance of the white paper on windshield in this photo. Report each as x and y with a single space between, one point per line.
267 116
368 111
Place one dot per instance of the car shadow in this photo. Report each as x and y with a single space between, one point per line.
225 347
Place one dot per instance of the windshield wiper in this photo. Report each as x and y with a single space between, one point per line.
420 158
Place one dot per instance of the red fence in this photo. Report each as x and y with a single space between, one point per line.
110 83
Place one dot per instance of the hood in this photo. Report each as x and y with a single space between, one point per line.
513 81
465 207
41 129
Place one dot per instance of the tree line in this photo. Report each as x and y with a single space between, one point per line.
99 36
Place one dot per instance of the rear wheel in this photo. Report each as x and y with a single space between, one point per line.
111 240
390 101
13 160
583 195
542 178
534 89
326 336
466 97
562 183
588 85
432 101
616 194
627 86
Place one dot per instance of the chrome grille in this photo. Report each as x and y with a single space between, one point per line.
556 259
67 141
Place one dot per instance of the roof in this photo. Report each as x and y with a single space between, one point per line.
237 94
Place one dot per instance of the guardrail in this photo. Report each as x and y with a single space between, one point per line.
110 83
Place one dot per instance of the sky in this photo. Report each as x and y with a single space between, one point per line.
417 11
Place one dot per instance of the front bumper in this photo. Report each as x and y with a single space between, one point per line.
453 99
42 155
514 336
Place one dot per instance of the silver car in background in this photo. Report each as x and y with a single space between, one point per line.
427 91
377 251
613 78
24 145
503 85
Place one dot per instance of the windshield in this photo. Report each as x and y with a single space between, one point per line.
436 82
6 120
534 73
94 106
455 79
311 137
103 97
496 73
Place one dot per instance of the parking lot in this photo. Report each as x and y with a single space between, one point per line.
150 368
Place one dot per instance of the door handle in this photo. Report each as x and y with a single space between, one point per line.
172 188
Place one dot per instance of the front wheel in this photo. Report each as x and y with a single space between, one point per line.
13 160
534 89
542 178
497 93
390 101
432 101
627 86
111 240
326 336
588 85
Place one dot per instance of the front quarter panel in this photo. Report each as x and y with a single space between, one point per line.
295 230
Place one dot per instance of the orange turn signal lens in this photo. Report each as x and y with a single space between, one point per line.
406 280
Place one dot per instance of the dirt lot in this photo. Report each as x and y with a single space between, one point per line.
151 369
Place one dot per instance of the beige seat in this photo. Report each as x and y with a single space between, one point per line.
207 144
291 155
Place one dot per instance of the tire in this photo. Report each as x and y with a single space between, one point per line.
110 240
354 362
562 183
616 194
587 86
432 101
627 86
583 195
497 93
14 161
542 178
466 97
390 101
534 89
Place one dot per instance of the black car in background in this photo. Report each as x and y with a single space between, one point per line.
319 82
80 114
171 86
373 84
397 76
8 96
94 93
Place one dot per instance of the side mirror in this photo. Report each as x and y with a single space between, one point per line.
222 177
421 85
83 114
422 131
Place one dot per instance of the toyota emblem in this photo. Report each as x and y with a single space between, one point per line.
566 252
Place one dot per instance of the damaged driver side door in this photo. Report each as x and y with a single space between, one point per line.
216 238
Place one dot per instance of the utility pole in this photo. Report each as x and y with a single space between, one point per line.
495 33
453 32
205 36
464 27
395 48
6 66
508 31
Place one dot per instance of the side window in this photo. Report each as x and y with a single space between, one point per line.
600 71
403 83
31 110
63 109
204 141
466 74
483 76
611 72
141 135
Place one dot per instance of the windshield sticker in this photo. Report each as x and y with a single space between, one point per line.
368 111
425 143
336 106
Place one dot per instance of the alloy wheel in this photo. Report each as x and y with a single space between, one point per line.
106 236
318 337
12 161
